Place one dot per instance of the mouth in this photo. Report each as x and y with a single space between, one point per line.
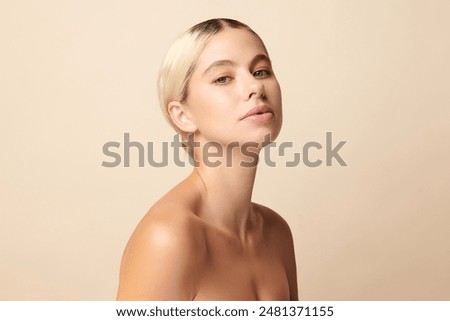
260 113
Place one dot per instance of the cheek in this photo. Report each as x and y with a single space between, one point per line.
274 92
212 102
207 109
199 103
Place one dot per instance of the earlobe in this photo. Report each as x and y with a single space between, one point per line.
180 117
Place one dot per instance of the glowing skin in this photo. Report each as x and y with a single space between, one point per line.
205 239
233 75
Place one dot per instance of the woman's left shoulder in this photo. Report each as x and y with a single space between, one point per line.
278 234
273 221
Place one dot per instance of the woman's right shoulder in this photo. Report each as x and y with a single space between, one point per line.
161 256
167 224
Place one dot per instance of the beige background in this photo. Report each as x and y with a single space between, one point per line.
77 74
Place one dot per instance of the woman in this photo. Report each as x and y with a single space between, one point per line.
205 239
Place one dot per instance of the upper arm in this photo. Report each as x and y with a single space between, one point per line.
159 262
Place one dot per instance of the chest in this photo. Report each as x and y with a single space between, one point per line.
232 274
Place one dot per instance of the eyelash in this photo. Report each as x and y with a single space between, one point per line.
222 77
266 74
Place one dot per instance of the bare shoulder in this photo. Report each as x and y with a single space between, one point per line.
162 255
171 228
274 223
280 236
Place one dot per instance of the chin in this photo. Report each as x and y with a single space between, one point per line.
264 133
263 136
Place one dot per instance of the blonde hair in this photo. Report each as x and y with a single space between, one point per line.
181 58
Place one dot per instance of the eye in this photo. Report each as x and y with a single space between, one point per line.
223 80
262 73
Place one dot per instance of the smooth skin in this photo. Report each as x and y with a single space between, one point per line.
205 239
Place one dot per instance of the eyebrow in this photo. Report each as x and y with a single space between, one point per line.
225 62
218 63
258 58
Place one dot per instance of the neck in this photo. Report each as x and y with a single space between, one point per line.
226 193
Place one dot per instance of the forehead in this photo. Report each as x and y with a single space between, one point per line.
235 44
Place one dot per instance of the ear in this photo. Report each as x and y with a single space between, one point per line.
181 117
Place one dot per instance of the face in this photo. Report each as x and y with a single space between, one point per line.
233 94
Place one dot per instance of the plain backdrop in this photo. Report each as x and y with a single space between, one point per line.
75 75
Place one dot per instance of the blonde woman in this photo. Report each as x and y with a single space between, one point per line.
206 239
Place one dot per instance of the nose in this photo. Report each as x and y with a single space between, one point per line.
254 87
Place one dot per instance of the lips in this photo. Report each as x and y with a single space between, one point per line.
259 110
